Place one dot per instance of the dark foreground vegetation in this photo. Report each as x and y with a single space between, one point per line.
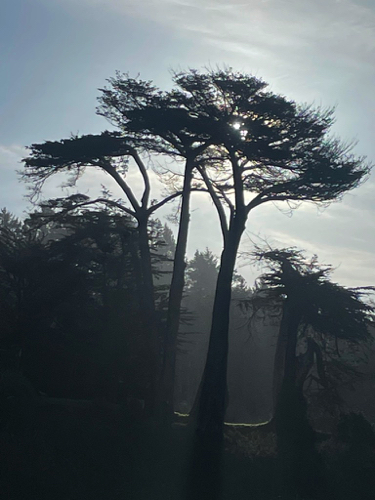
121 359
76 449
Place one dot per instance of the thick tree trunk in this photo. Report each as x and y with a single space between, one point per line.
212 397
290 368
299 465
209 409
134 253
279 361
167 377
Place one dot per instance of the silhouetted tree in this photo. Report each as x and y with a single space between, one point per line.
318 318
270 149
328 318
110 152
36 285
152 122
187 123
199 292
267 149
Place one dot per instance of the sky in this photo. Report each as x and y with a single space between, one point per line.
56 54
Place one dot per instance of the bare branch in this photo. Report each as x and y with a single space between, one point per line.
111 170
146 180
216 201
158 205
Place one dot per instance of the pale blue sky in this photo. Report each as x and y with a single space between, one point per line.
55 54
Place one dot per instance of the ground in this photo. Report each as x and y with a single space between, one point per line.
76 450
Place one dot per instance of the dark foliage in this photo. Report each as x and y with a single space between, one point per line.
72 303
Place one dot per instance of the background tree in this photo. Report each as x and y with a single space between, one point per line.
79 312
109 152
331 318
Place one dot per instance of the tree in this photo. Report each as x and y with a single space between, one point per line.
184 121
36 283
241 138
318 319
164 254
327 317
182 124
109 152
151 121
202 274
201 277
268 149
11 231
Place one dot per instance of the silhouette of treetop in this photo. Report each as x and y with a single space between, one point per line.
330 309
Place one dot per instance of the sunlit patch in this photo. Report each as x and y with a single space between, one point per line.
234 424
229 424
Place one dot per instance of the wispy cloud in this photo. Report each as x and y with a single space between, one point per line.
309 45
343 26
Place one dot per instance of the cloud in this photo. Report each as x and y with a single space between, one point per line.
335 29
318 50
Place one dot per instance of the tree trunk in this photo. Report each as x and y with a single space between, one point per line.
209 408
134 253
290 368
212 397
299 466
150 330
167 377
282 347
147 299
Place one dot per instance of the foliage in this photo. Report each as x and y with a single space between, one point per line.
334 325
202 274
330 309
71 297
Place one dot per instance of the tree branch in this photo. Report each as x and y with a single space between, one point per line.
100 200
152 209
169 198
216 201
146 180
121 183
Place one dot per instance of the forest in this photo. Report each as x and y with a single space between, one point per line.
129 369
